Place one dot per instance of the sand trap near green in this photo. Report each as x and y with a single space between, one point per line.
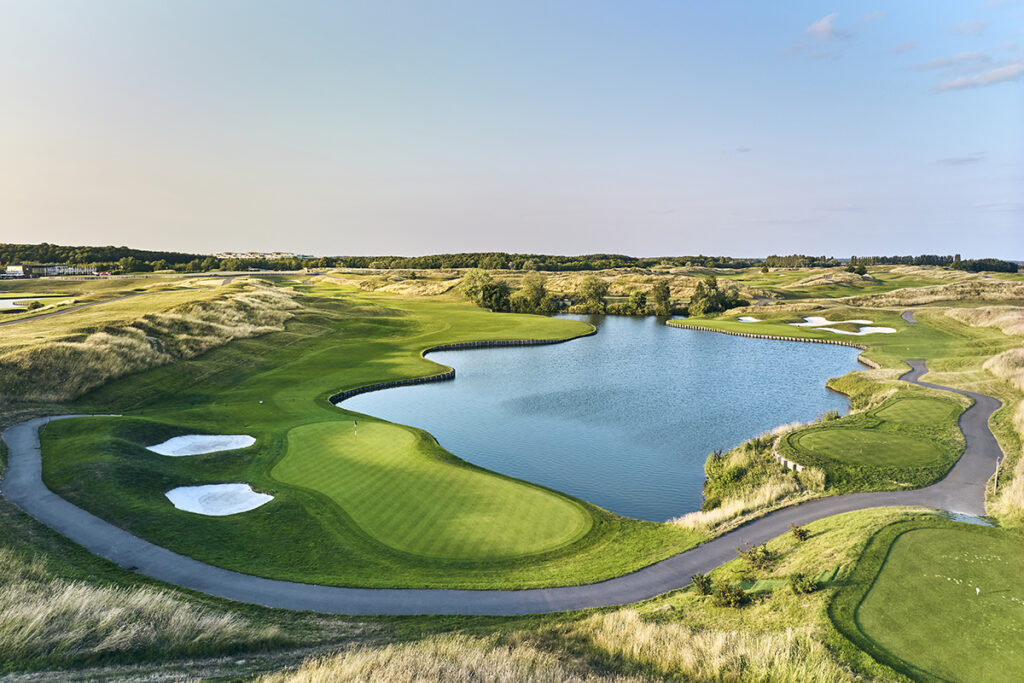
404 490
950 603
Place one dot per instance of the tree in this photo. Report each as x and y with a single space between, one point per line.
593 290
495 296
473 281
637 303
662 296
708 298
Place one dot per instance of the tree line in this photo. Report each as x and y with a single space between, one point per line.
128 260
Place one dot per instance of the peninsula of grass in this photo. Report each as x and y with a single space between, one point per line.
907 442
386 508
919 584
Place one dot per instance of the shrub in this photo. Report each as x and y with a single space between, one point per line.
727 595
756 556
799 533
802 584
33 305
710 503
701 583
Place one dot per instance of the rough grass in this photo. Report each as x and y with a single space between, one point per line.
446 658
1009 319
43 618
975 289
64 369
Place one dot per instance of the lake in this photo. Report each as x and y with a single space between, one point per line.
625 418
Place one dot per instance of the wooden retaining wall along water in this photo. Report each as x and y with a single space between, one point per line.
450 373
813 340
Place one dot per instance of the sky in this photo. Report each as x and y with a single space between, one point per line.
556 126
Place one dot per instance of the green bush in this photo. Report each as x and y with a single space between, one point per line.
756 556
802 584
799 533
727 595
702 583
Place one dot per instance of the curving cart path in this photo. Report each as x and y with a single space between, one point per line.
963 490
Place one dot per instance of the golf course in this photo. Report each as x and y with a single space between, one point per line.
361 516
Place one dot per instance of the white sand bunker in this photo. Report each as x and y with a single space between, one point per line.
197 444
217 500
817 322
748 319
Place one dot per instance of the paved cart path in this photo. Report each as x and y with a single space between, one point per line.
963 490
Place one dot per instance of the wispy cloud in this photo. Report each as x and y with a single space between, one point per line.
872 16
903 47
742 150
1001 74
965 160
825 28
965 62
974 27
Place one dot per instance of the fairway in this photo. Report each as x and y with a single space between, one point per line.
867 447
400 487
918 411
924 607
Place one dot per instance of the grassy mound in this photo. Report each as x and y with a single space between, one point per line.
916 590
917 411
402 488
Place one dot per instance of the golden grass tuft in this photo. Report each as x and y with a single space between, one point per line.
41 616
759 499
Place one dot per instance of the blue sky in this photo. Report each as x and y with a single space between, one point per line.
644 128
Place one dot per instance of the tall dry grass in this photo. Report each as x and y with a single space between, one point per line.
767 494
1009 319
46 617
623 640
64 369
444 658
681 652
974 289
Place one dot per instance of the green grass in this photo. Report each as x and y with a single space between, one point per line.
912 601
403 489
919 411
323 525
865 447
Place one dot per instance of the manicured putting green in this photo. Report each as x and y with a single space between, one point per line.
925 607
921 411
402 489
867 447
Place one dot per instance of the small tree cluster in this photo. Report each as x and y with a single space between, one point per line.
533 296
756 556
702 583
799 533
708 298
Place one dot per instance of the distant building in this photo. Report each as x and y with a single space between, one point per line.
46 270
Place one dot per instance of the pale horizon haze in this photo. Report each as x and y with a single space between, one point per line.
642 128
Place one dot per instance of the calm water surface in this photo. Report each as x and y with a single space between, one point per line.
623 419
